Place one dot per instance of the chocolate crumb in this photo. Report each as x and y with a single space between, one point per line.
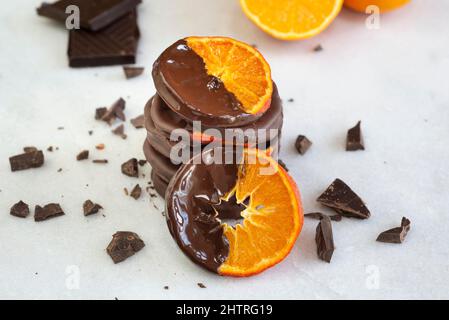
60 169
130 168
60 128
20 209
166 287
29 149
318 48
90 132
120 131
201 285
132 72
324 239
126 191
291 100
100 161
354 140
302 144
50 149
27 160
136 192
395 235
51 210
90 208
124 244
83 155
142 162
138 122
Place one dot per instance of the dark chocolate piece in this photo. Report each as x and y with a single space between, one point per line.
100 112
354 140
344 201
282 164
115 111
319 216
27 160
142 162
100 161
29 149
50 149
94 14
124 244
51 210
201 285
138 122
136 192
115 44
395 235
302 144
120 131
20 209
132 72
130 168
83 155
324 239
90 208
318 48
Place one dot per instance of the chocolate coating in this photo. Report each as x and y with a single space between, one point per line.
181 79
159 184
162 165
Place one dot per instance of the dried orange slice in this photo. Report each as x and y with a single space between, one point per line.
383 5
242 69
272 220
292 19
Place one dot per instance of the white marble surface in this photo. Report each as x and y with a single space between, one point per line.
394 79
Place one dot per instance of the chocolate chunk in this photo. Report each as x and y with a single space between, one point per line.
136 192
130 168
324 239
114 44
291 100
283 165
201 285
90 208
344 201
83 155
354 139
302 144
115 111
27 160
50 149
120 131
166 287
395 235
29 149
124 244
20 209
100 161
100 112
132 72
319 216
142 162
138 122
94 14
51 210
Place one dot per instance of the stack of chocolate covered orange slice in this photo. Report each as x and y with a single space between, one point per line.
209 90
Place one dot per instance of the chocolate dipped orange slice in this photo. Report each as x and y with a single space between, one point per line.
234 219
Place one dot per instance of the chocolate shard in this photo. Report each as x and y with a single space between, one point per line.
94 14
201 285
354 140
120 131
100 161
142 162
115 111
136 192
90 208
51 210
112 45
132 72
130 168
27 160
138 122
319 216
340 197
124 244
395 235
83 155
302 144
324 239
283 165
20 209
100 112
318 48
29 149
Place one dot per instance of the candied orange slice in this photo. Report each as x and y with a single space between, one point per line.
242 69
292 19
272 220
383 5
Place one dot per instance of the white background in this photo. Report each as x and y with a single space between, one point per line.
394 79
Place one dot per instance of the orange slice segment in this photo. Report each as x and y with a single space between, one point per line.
242 69
272 220
292 19
383 5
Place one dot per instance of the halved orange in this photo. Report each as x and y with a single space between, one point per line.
292 19
272 220
383 5
242 69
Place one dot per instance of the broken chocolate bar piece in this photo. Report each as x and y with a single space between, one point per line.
115 111
395 235
138 122
100 161
30 149
114 44
136 192
83 155
132 72
344 201
91 208
354 140
324 239
20 209
302 144
130 168
27 160
93 14
100 112
124 244
120 131
319 216
51 210
201 285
